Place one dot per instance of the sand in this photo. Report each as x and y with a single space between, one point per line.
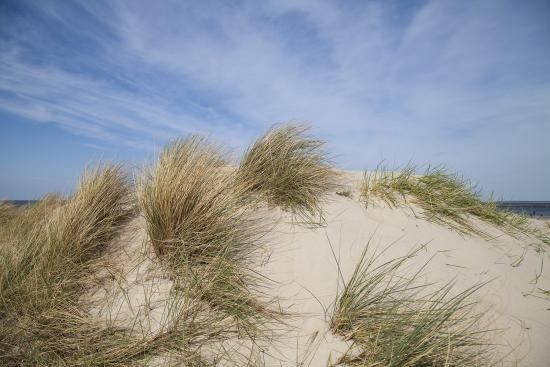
304 269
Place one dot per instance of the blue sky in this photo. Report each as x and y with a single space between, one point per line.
464 83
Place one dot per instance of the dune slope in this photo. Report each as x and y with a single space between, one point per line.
307 264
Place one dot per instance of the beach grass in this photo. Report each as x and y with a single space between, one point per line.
395 320
49 264
444 197
45 264
192 207
289 169
206 231
201 227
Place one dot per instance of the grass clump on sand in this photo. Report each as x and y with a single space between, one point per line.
397 321
444 197
192 206
47 251
202 229
50 255
289 169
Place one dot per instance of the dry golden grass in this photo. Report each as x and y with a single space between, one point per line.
48 265
192 207
200 225
202 228
7 211
289 169
394 320
44 268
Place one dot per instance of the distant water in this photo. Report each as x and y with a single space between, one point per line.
530 208
19 203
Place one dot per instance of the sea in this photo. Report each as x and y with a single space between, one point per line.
530 208
19 203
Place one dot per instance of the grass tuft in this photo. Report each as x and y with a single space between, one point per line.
202 229
192 207
289 169
445 198
393 320
44 267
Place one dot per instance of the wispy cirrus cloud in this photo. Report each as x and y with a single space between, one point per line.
464 83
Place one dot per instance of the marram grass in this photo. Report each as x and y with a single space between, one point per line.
48 264
44 267
202 227
393 320
289 169
444 197
192 207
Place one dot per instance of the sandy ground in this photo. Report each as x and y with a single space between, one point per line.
305 272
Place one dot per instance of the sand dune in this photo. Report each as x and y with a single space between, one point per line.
302 262
283 261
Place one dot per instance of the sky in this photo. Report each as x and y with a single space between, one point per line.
460 83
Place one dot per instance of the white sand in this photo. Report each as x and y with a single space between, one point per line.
303 265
